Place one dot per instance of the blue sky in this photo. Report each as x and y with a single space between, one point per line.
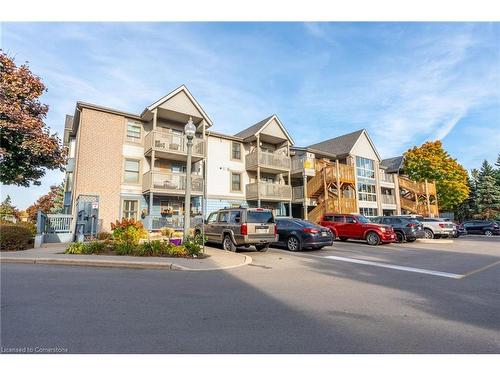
404 82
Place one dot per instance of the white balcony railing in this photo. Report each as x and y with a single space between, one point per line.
172 143
171 182
388 199
387 177
268 160
297 193
266 190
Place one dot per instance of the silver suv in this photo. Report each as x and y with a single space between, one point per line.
233 227
435 227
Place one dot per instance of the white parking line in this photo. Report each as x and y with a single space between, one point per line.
396 267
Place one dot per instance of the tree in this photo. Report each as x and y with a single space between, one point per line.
7 210
50 203
431 162
469 207
497 172
27 148
488 191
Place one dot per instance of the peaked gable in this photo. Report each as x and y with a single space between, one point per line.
365 148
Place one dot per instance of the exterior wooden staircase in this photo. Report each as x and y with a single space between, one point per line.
328 187
418 197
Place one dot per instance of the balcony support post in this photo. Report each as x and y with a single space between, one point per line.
304 178
155 118
289 175
427 198
258 170
338 185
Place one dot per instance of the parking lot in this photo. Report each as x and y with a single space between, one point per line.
348 298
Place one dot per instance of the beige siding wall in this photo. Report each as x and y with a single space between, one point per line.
100 162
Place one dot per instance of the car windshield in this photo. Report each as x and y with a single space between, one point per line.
305 223
363 219
260 217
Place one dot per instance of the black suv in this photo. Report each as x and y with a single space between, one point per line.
406 228
486 227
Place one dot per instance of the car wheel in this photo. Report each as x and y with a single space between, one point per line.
429 234
373 239
411 240
400 237
293 243
262 248
343 239
228 244
488 233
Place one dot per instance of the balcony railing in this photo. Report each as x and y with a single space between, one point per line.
268 160
388 199
171 182
302 163
269 191
387 177
172 143
297 193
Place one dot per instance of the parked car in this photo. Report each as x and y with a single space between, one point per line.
434 227
458 229
233 227
354 226
298 234
406 228
486 227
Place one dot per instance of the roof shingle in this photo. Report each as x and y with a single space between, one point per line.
341 145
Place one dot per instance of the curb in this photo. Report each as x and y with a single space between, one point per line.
116 264
435 241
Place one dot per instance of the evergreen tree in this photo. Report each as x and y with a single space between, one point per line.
498 170
488 191
7 210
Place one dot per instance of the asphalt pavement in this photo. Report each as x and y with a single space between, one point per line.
342 299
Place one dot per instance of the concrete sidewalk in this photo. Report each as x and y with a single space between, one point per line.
54 254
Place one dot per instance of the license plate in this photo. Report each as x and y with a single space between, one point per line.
261 230
324 234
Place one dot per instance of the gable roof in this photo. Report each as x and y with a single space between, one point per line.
341 145
171 95
258 127
392 165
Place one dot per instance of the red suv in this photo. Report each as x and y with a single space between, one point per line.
345 226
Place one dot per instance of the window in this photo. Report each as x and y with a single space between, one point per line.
338 219
328 218
223 217
235 181
130 208
235 217
368 211
367 191
69 181
212 218
365 168
264 217
134 131
131 171
236 150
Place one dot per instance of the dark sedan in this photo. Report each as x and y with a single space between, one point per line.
487 227
298 234
406 228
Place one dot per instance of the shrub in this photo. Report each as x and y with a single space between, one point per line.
15 236
177 234
177 251
75 248
94 247
150 249
168 232
193 245
104 236
128 231
124 248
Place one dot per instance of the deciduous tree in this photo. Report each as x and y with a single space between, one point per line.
50 203
431 162
27 147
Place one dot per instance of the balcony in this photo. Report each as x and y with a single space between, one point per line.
388 199
171 183
303 166
386 179
297 193
172 146
268 191
268 162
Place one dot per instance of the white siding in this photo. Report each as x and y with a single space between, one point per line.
220 166
364 148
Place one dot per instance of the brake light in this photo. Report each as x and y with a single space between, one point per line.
243 229
311 230
275 229
411 225
442 225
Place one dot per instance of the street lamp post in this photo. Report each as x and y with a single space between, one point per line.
190 131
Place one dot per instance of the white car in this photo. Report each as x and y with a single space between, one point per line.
435 227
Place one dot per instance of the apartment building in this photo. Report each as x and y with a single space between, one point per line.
250 168
134 166
346 174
